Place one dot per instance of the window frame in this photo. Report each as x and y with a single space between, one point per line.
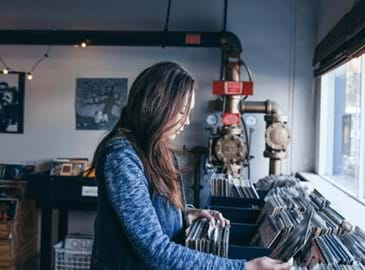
325 136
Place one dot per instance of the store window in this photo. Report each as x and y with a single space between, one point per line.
342 124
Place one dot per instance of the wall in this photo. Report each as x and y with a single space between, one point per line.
278 39
330 12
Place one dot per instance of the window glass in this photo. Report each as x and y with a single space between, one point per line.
342 87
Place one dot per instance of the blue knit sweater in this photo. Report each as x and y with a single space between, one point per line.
135 229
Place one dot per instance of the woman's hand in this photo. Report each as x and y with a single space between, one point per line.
193 214
266 263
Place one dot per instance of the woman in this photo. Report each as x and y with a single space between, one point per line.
141 206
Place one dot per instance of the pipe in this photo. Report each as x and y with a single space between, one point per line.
225 9
266 107
229 42
225 40
271 108
275 166
232 73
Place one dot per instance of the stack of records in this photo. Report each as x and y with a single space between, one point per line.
326 220
329 221
274 181
284 198
224 185
331 267
339 267
355 241
291 218
275 227
334 250
319 202
293 242
209 237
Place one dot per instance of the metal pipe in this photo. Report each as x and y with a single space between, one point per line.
224 40
232 73
274 108
225 9
229 42
271 108
275 166
266 107
253 107
232 104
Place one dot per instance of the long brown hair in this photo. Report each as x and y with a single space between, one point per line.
155 98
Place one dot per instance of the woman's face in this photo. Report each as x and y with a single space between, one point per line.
179 120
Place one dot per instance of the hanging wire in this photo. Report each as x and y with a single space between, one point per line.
167 16
225 15
248 70
46 55
224 28
247 147
166 28
3 62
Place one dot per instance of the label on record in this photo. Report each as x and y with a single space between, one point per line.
88 191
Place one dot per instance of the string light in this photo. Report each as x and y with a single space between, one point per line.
83 44
46 55
6 69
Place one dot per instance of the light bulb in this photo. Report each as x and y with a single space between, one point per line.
83 44
29 76
5 71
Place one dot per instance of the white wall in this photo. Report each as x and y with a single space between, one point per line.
278 39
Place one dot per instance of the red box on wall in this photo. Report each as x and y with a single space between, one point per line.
221 88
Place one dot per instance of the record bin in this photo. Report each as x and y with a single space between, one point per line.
238 215
238 202
239 243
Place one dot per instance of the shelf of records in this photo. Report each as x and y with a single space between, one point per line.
18 227
287 221
71 167
57 167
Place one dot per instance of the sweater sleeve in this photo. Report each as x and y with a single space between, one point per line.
127 188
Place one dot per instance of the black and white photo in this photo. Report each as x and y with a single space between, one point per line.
99 102
12 102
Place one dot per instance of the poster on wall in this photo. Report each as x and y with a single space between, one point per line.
12 102
99 102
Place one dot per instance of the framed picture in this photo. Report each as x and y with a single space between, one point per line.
12 87
66 169
99 101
